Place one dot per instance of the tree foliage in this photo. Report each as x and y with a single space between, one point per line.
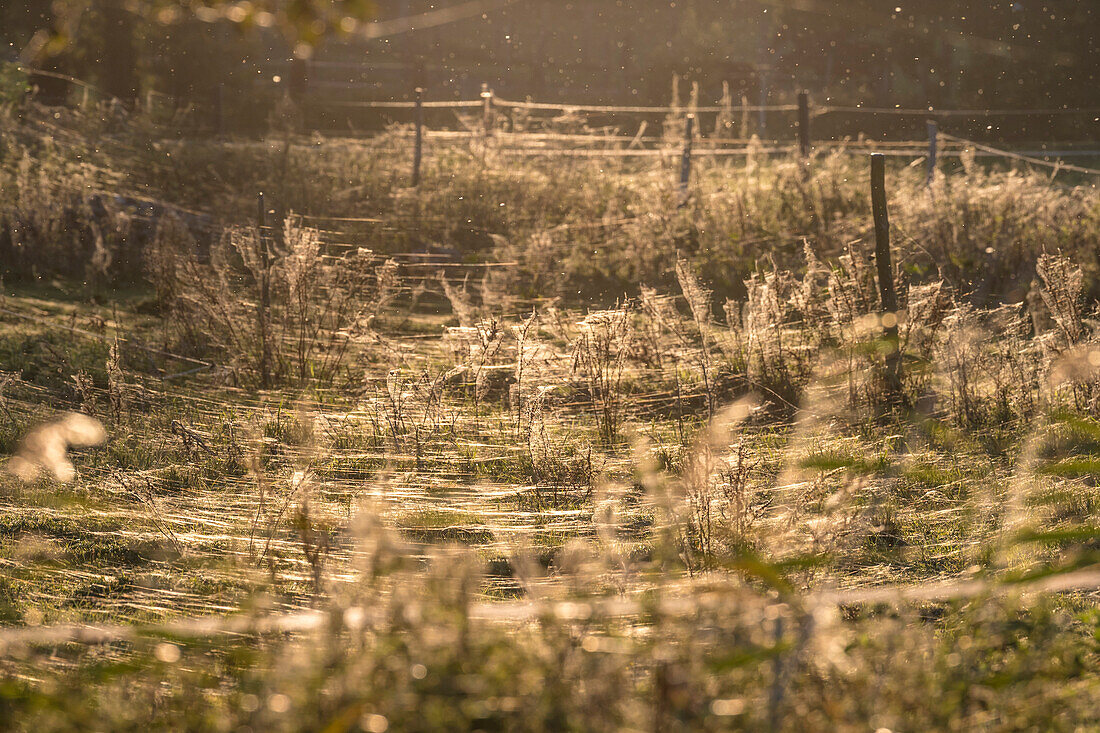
304 23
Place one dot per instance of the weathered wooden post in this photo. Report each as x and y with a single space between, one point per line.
265 294
297 85
219 109
804 123
418 143
762 110
486 108
885 270
933 133
779 678
685 159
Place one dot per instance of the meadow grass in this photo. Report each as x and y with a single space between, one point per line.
644 472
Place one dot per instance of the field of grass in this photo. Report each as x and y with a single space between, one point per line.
533 447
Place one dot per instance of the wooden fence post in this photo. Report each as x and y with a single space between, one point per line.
297 83
779 678
804 123
418 144
885 271
219 109
685 159
265 293
933 133
486 108
762 111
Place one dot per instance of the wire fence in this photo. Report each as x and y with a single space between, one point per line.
515 128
